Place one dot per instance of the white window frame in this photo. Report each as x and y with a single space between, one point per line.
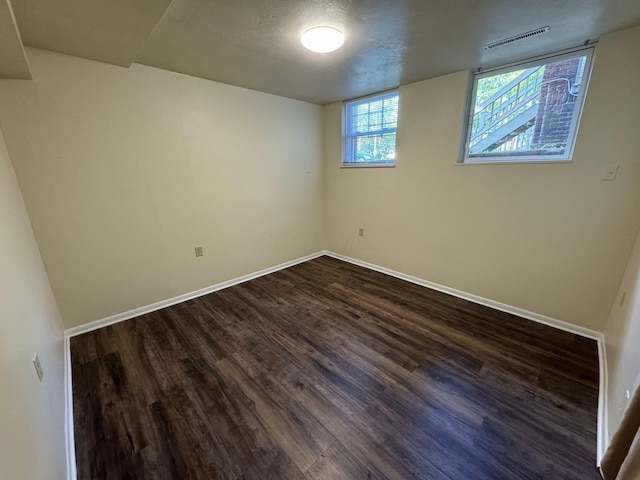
575 121
347 137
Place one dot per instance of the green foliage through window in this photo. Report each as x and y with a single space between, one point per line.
527 113
370 130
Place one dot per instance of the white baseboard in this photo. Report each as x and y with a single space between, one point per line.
536 317
603 402
602 435
552 322
104 322
68 403
136 312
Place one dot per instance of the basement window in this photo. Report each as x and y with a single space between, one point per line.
370 125
529 112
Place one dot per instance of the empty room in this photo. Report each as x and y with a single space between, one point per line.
321 240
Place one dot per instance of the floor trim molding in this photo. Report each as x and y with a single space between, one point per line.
603 402
549 321
120 317
503 307
68 403
602 434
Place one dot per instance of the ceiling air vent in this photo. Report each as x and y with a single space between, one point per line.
517 38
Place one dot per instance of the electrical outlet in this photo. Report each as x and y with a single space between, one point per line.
199 252
37 366
361 232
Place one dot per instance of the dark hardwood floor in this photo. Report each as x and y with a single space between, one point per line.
327 370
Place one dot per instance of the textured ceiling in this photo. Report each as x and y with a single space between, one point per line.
255 43
13 62
111 31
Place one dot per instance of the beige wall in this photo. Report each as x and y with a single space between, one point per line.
124 171
549 238
31 413
622 337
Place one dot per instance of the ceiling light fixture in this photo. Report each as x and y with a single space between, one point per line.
322 39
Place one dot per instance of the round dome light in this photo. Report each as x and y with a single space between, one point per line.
322 39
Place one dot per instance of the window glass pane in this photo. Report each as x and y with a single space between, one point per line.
375 148
530 112
370 129
375 115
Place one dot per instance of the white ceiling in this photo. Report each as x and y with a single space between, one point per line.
13 62
255 43
111 31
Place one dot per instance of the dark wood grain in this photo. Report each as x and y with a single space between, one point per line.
327 370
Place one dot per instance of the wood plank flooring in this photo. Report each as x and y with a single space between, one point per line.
327 370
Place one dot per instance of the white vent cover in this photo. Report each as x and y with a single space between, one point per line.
517 38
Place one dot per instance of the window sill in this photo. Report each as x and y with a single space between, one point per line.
368 165
515 162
